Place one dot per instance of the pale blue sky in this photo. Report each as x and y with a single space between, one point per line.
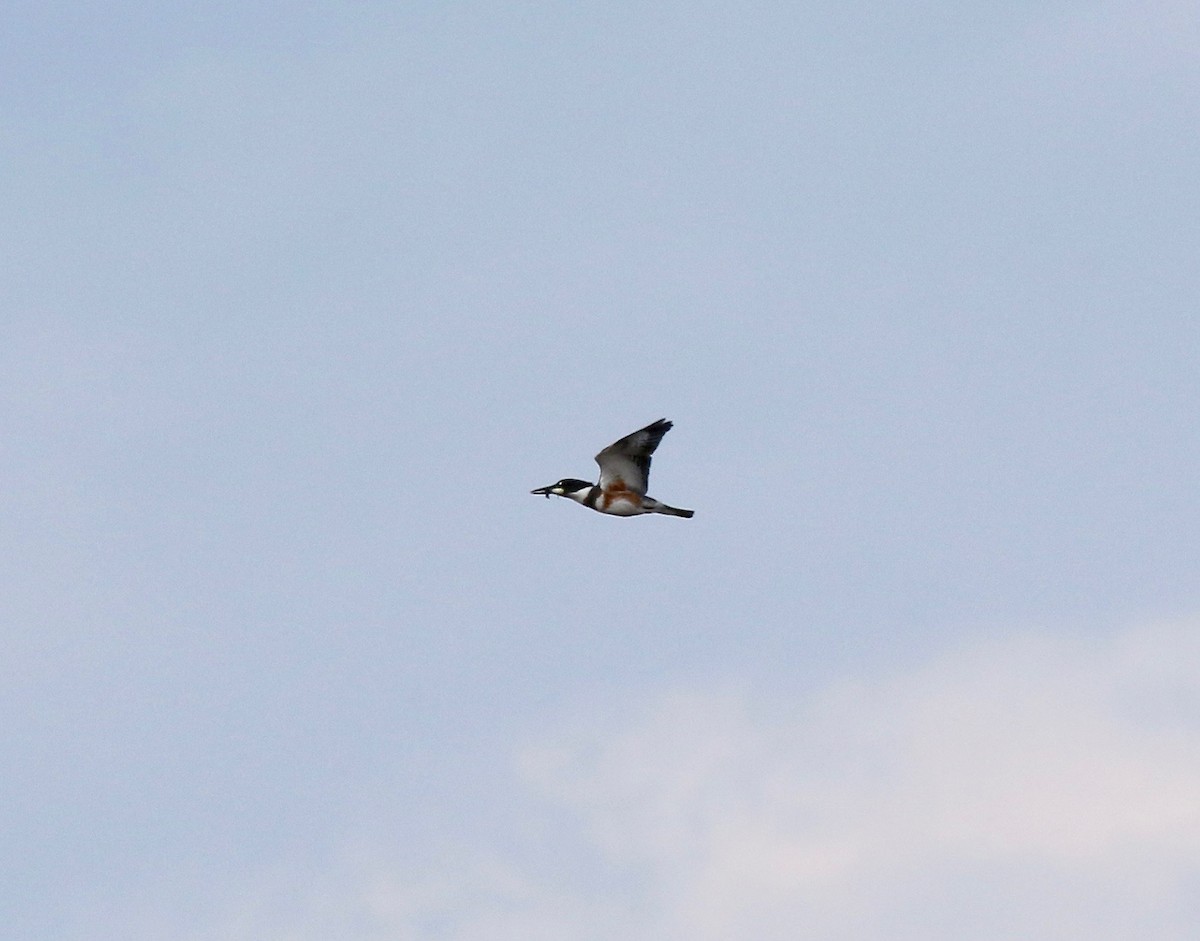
299 305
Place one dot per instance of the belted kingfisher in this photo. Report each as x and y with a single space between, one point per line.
624 474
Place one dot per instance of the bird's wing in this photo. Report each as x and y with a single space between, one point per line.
628 461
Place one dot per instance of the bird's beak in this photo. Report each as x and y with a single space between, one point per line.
544 490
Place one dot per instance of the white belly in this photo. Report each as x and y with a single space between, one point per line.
624 507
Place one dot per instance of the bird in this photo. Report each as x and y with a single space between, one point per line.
624 475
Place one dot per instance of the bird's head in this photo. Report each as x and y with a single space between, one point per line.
564 488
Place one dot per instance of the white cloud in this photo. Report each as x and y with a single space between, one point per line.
1030 787
992 763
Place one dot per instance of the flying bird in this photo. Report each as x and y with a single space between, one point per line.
624 475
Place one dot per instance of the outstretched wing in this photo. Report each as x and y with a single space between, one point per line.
625 464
